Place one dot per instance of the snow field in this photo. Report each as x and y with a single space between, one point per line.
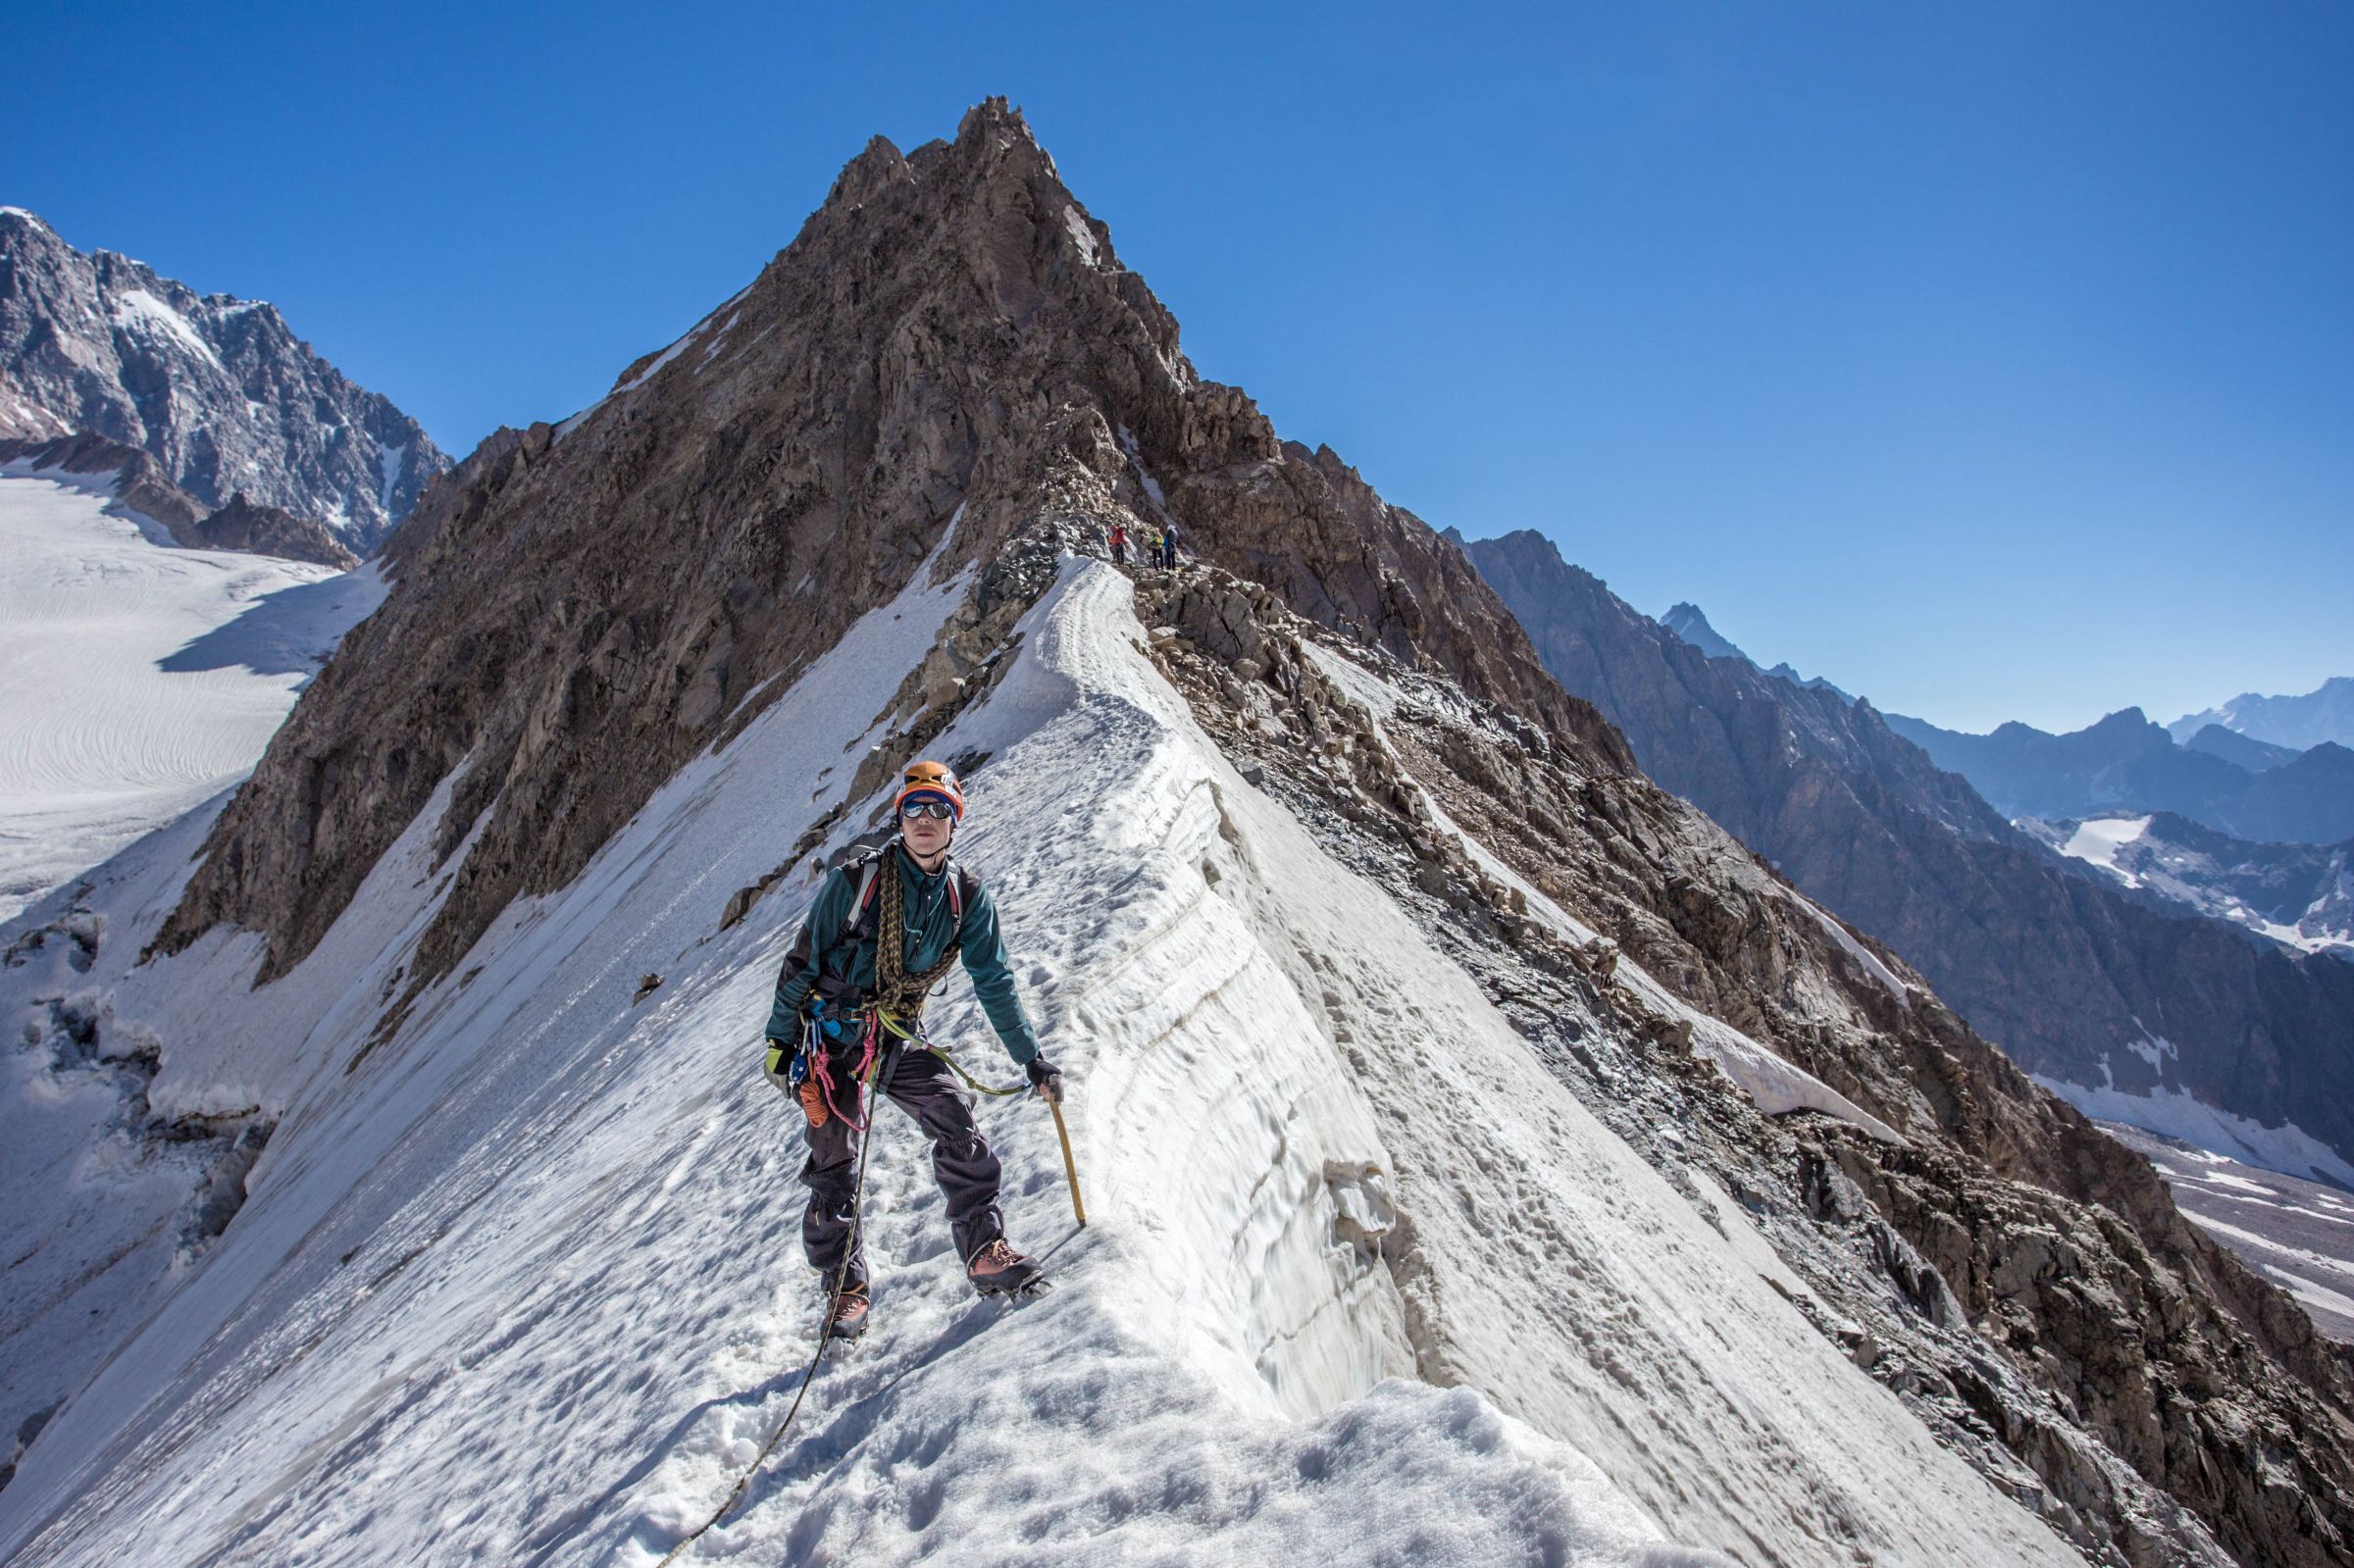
523 1283
2098 839
376 1164
89 1230
2177 1113
138 679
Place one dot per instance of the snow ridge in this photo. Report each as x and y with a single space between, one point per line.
519 1277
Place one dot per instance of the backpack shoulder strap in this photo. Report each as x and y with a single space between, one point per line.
863 896
964 889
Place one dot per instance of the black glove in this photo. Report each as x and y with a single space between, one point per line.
1046 1078
777 1063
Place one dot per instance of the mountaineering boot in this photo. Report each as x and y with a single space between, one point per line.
850 1314
998 1269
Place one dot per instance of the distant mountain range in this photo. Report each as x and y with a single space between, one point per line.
217 390
2326 713
2178 1023
2126 763
2202 768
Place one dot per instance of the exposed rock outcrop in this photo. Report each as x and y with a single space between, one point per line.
139 483
243 525
141 488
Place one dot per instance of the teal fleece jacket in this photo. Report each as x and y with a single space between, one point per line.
828 948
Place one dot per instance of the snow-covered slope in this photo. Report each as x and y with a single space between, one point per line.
135 679
519 1279
2301 896
2298 1233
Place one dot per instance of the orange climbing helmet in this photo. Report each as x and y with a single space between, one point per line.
930 779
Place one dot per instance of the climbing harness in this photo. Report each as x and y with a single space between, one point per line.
896 994
825 1338
817 1094
917 1038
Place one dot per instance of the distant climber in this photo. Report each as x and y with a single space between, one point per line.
883 931
1119 543
1168 546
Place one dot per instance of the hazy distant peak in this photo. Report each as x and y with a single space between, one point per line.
1686 621
2299 722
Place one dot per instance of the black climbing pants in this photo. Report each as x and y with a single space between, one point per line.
919 1084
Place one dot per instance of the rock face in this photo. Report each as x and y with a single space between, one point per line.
140 487
218 391
2060 970
272 531
2126 763
948 372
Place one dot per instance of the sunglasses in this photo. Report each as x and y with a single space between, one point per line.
937 810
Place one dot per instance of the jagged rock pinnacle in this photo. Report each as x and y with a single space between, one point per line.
218 391
949 335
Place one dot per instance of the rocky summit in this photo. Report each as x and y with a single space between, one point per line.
949 355
217 390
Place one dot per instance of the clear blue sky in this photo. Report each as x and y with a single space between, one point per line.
1995 361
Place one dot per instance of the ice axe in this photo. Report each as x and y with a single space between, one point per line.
1070 1169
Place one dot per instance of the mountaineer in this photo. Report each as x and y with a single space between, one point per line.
883 931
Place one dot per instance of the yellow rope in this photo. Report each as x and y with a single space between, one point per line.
942 1051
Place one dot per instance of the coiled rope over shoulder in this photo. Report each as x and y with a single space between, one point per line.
898 994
